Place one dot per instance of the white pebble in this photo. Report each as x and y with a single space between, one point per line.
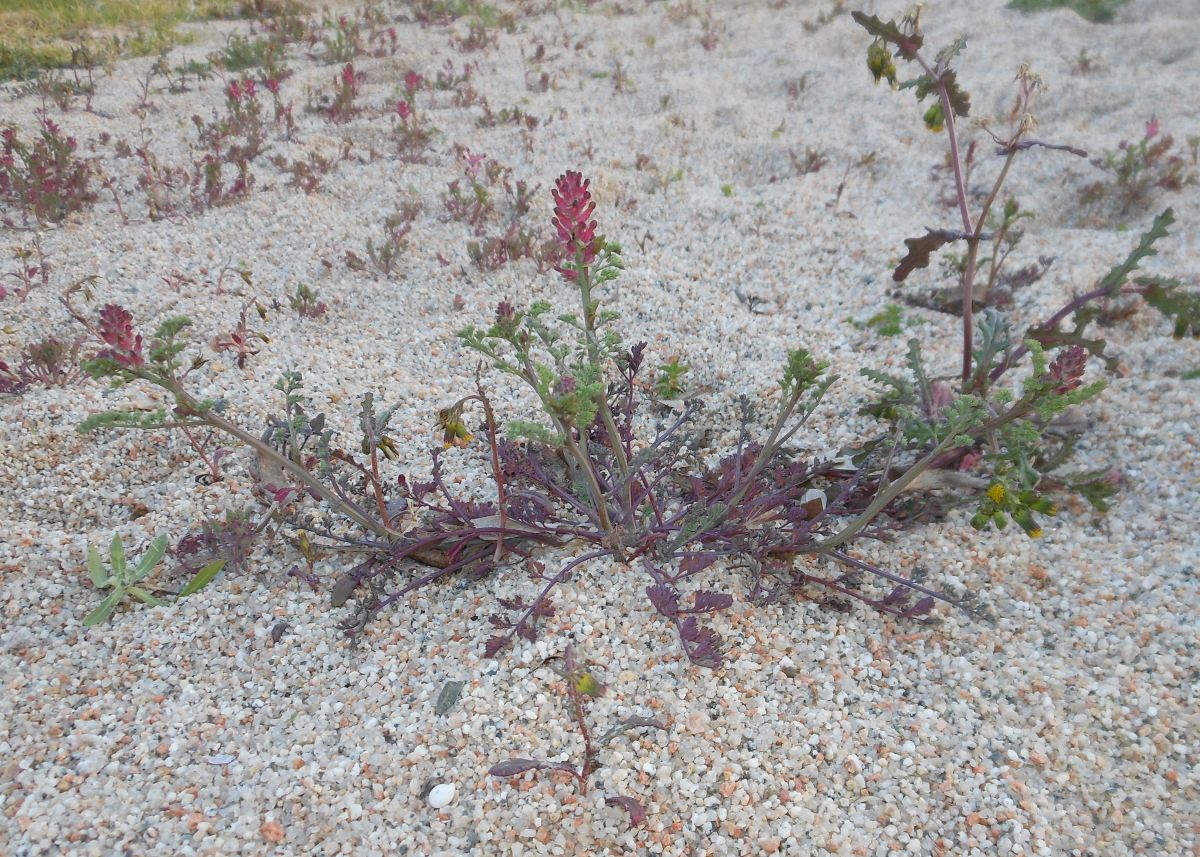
441 795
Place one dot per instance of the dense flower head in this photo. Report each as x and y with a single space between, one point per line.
412 82
116 329
403 110
573 206
1067 369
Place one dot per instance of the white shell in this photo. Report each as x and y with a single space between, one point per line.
441 795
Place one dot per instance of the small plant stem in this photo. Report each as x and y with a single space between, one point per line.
882 499
589 753
593 485
497 473
983 213
960 191
209 463
593 344
768 450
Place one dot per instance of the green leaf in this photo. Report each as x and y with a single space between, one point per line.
116 553
144 596
203 577
889 31
96 568
1119 275
154 554
105 609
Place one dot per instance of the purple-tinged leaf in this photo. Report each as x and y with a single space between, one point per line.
514 767
711 602
342 590
921 608
697 562
494 645
689 629
527 631
897 596
664 599
637 813
920 248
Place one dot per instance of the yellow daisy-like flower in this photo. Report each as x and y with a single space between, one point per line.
997 493
1035 533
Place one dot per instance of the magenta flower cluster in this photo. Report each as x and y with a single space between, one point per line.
116 329
573 208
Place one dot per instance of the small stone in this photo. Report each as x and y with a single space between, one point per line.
441 795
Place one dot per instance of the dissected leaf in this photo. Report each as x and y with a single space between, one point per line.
1119 275
711 602
664 599
1183 308
695 563
920 248
889 31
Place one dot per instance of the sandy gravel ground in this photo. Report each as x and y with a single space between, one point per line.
1064 725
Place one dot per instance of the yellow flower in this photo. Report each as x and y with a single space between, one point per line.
997 493
454 430
1035 533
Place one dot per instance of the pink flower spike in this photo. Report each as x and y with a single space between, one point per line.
116 329
1152 128
403 110
235 91
573 206
1067 369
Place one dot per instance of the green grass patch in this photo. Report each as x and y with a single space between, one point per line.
40 34
1096 11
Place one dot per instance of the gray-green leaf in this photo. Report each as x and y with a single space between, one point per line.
203 577
96 568
449 695
105 609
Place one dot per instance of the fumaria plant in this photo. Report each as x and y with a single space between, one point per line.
598 469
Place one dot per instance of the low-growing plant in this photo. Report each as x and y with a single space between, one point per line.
129 582
45 179
32 270
345 43
339 106
305 301
49 362
590 469
241 339
413 131
580 686
1137 169
233 139
387 253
